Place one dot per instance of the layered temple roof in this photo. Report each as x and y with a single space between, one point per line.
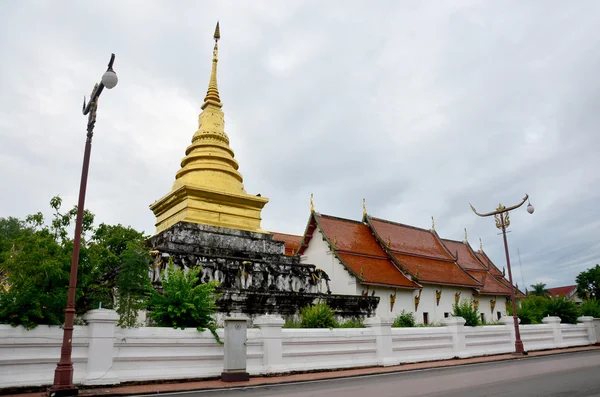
357 250
421 253
378 251
468 260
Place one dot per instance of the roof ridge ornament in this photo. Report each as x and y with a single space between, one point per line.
364 204
432 223
312 205
466 241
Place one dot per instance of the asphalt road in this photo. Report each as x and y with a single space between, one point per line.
565 375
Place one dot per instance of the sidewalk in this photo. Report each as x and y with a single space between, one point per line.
158 388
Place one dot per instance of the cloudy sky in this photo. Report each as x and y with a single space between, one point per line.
420 107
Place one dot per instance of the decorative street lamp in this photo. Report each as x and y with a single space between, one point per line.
502 222
63 375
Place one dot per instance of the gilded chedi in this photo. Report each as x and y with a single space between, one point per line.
208 189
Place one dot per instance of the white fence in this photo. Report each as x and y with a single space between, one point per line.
106 354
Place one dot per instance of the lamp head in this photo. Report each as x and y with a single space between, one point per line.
530 208
110 79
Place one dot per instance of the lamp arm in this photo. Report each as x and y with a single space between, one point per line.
98 90
514 207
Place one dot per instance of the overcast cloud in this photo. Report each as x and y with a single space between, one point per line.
418 107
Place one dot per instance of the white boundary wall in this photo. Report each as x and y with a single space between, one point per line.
106 354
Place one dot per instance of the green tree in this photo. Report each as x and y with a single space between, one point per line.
184 301
38 273
588 282
539 289
590 308
36 259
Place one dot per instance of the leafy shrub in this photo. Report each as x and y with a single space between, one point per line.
563 308
317 316
185 302
466 310
534 308
352 323
531 309
405 320
590 308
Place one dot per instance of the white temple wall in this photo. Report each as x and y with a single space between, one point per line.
318 253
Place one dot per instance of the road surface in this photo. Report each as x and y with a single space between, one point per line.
565 375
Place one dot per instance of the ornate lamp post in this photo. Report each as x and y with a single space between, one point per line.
63 375
502 222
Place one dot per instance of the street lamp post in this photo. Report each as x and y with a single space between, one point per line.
63 375
501 215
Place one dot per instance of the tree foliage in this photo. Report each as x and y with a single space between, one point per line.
588 282
534 308
35 258
590 308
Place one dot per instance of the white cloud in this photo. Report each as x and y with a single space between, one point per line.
419 108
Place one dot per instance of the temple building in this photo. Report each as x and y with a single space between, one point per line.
408 268
359 267
207 219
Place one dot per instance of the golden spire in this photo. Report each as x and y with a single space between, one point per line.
432 223
312 205
208 188
212 94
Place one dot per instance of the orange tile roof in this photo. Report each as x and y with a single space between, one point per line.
488 262
468 260
291 242
356 248
409 240
434 271
464 255
376 270
420 250
562 291
351 236
491 285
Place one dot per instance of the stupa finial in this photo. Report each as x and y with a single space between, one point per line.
212 94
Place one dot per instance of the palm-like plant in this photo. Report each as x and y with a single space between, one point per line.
539 289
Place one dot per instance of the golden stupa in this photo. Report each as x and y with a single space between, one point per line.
208 189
